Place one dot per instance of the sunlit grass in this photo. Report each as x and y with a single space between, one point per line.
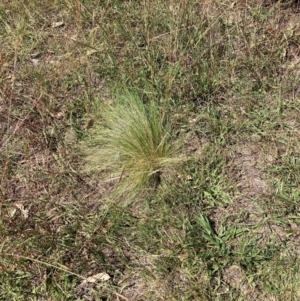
133 143
212 81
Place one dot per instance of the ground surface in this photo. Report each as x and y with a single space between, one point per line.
225 225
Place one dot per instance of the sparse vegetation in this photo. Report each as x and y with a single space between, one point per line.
220 76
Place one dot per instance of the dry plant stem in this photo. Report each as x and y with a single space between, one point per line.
64 269
19 124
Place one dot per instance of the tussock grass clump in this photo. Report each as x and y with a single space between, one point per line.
133 144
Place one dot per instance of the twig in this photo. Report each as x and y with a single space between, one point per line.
64 269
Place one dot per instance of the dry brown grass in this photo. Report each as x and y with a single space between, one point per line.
225 226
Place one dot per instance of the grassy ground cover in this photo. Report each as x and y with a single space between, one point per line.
221 221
